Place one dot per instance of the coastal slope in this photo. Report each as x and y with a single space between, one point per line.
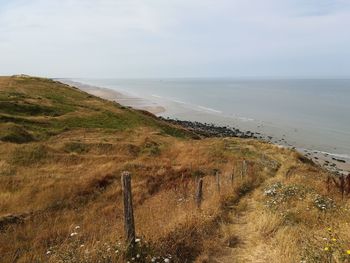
62 152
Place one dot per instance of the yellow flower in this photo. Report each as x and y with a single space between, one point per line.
326 248
334 239
348 252
329 229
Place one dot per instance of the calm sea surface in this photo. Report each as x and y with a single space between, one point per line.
313 113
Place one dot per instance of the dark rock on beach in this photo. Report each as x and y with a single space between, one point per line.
338 160
211 130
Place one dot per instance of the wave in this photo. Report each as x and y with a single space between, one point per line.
180 102
245 119
194 106
338 155
156 96
208 109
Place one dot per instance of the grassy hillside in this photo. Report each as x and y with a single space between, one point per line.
61 155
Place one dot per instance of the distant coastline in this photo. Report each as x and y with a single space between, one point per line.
337 163
123 99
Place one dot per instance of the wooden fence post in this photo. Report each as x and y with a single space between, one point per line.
232 175
129 225
199 193
218 181
348 183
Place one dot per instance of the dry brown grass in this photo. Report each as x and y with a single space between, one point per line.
62 190
69 182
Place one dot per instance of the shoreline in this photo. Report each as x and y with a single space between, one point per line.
121 98
331 161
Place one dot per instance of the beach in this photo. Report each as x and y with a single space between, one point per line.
210 121
123 99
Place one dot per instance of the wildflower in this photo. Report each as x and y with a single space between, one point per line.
48 252
137 240
166 260
153 259
329 229
81 245
117 251
73 234
334 239
348 252
138 256
326 249
77 227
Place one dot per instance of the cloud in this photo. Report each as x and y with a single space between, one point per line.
150 38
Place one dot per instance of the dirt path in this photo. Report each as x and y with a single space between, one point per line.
247 237
244 243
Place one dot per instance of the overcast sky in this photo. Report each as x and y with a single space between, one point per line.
175 38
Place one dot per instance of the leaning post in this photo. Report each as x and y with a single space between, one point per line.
129 225
199 193
232 175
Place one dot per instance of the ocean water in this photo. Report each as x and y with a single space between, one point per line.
306 113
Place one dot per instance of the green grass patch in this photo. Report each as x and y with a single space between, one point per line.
14 133
76 147
174 131
151 148
51 99
26 109
29 155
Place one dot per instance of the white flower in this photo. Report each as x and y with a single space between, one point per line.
137 240
77 227
117 251
73 234
81 245
153 259
48 252
166 260
138 256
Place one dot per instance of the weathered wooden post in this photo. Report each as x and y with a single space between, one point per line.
199 193
217 174
129 225
348 183
232 175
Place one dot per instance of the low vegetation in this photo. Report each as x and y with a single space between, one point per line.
61 157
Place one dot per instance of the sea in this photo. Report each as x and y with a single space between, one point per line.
311 114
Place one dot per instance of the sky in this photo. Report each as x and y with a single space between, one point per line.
175 38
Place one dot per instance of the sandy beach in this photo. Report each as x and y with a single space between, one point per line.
123 99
